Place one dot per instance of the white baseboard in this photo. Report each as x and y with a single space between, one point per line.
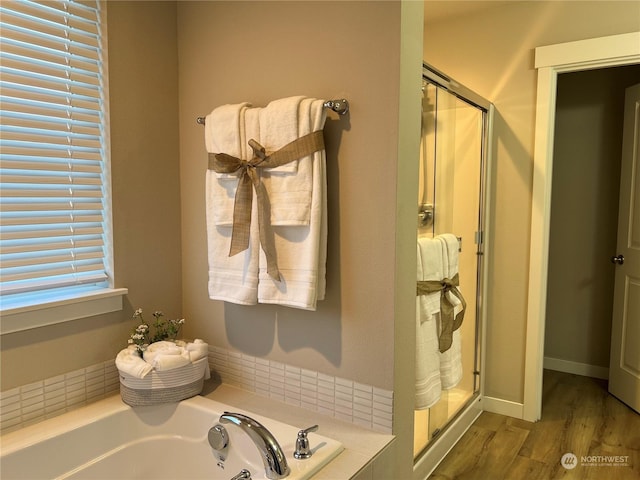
576 368
503 407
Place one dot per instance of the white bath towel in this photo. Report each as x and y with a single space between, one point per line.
428 387
289 186
432 267
129 361
166 356
451 363
163 362
197 349
279 126
451 359
224 133
161 348
232 279
298 210
452 247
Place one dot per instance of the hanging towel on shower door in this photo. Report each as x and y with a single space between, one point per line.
451 359
428 388
298 199
233 279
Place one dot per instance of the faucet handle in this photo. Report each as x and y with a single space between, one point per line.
243 475
304 432
302 444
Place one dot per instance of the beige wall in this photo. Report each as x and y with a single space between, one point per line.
146 201
260 51
492 52
354 50
584 219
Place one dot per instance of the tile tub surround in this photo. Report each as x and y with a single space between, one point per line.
346 400
362 405
44 399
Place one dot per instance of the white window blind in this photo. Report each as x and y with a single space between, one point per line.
53 200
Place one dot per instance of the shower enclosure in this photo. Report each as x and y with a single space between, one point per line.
453 164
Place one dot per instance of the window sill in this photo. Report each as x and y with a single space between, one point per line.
62 310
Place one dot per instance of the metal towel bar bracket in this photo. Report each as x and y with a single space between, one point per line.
341 107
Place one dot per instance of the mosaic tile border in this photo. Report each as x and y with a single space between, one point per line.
37 401
357 403
363 405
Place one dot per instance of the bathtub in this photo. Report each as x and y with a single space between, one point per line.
111 440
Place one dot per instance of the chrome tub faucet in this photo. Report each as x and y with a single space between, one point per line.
275 463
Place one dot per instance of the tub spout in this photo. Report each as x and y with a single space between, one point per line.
275 463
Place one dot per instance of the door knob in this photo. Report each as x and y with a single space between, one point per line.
619 259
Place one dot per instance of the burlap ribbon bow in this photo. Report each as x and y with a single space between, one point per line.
248 175
448 322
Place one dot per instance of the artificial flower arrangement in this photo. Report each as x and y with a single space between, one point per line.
164 330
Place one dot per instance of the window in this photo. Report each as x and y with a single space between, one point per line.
54 205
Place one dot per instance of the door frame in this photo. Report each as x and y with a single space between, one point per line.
611 51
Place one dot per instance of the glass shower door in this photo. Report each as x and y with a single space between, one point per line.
451 187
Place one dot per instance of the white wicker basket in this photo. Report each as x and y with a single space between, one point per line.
167 386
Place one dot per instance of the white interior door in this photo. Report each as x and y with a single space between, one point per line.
624 368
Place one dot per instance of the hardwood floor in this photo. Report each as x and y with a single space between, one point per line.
579 416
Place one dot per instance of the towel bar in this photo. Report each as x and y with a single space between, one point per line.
341 107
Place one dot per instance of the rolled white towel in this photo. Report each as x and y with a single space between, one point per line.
197 349
161 348
163 345
167 355
128 361
163 362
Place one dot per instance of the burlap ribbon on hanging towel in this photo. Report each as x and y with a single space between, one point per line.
248 175
449 323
